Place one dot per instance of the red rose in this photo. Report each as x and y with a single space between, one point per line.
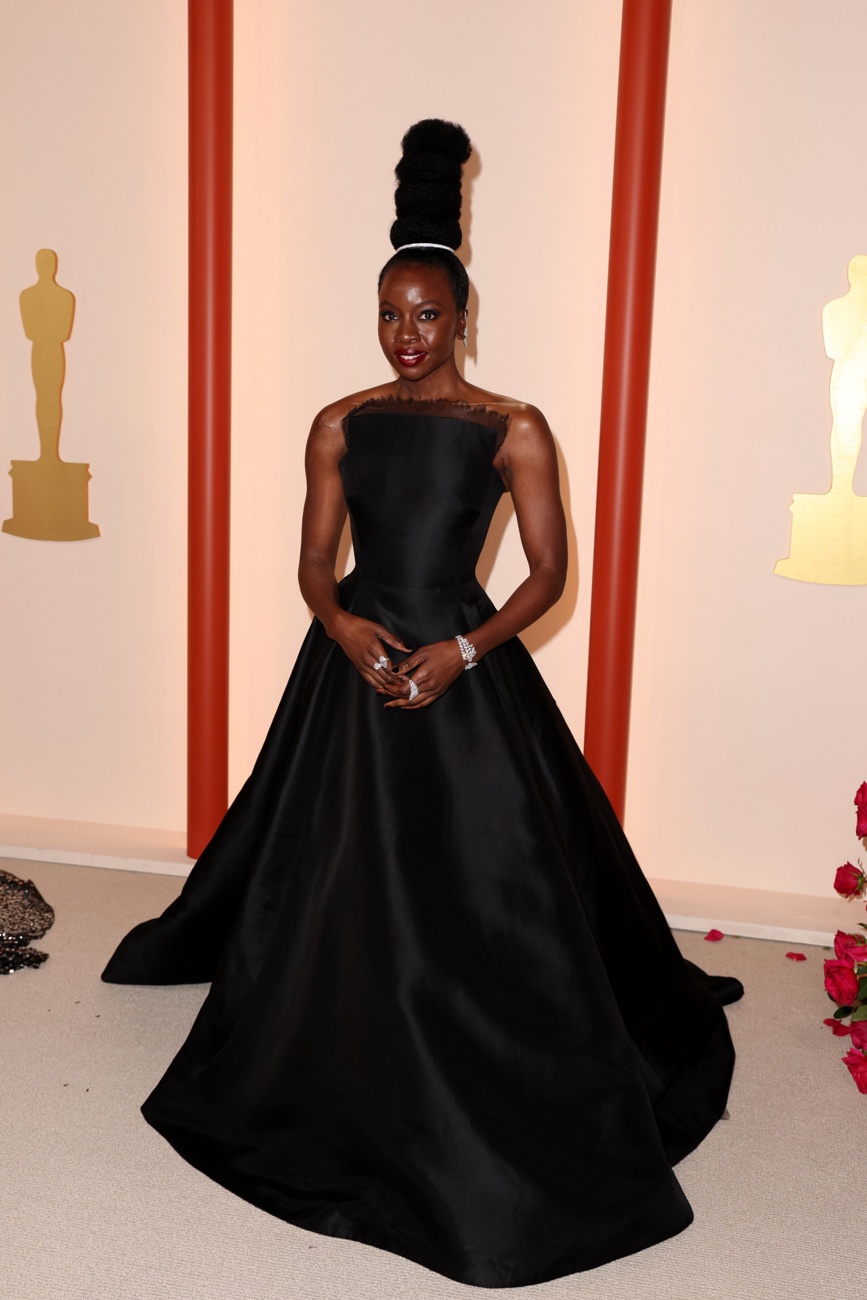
859 1034
841 982
796 956
856 1064
714 936
849 881
861 805
838 1029
850 947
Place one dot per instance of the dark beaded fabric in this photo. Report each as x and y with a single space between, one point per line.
24 915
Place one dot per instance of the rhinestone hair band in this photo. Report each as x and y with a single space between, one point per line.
448 248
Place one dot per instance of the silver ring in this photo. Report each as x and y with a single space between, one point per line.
381 662
413 689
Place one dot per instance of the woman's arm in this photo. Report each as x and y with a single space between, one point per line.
323 518
529 461
321 527
530 464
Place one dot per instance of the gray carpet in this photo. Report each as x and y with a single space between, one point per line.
95 1204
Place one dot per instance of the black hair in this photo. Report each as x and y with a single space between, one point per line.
428 201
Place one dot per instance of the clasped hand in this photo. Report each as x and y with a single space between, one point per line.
433 667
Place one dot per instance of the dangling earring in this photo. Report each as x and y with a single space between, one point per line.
465 333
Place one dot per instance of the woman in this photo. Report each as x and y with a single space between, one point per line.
447 1017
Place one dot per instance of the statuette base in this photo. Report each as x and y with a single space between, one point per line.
829 539
49 501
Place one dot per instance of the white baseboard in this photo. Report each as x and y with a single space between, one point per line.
756 913
94 844
688 905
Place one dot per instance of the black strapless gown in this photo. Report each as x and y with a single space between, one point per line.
447 1017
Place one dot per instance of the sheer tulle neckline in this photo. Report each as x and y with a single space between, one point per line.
442 407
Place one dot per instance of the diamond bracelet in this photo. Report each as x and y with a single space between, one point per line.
468 652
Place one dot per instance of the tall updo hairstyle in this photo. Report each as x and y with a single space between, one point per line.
428 201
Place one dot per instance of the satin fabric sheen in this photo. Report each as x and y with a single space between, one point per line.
447 1017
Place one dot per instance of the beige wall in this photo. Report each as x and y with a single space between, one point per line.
92 98
745 741
748 726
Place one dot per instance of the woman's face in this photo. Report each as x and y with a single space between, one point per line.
418 319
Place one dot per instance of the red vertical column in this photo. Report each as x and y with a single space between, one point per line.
644 43
210 26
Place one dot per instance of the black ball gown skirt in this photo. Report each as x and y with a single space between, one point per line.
447 1017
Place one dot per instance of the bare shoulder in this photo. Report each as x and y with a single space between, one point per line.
529 448
525 420
331 417
529 432
527 424
326 432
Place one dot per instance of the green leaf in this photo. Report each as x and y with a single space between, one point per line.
860 1013
842 1012
862 990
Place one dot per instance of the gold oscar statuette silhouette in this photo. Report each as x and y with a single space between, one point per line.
49 495
829 532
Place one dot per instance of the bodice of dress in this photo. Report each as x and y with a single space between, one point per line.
421 488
